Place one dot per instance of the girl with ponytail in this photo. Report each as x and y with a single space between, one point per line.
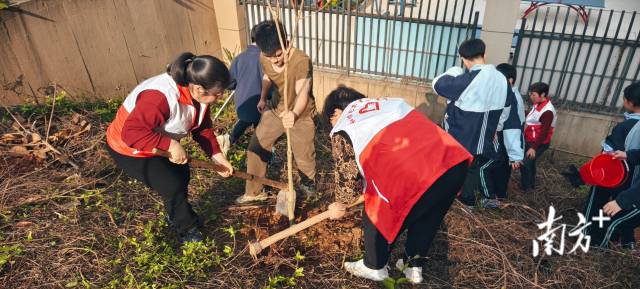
156 115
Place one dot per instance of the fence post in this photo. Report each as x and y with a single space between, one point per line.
516 53
497 29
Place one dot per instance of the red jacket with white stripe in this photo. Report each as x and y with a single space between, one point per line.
173 116
400 154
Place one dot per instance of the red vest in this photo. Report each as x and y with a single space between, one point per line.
181 121
400 154
533 126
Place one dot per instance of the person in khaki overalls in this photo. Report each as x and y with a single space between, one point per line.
274 121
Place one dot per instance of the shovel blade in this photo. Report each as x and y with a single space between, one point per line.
282 203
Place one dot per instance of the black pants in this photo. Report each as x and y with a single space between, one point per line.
500 174
168 179
477 178
620 226
239 128
528 169
421 224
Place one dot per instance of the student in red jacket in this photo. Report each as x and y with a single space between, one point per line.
407 168
539 126
157 114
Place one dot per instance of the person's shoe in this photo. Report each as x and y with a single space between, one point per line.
572 174
490 203
358 268
250 199
307 186
192 235
309 190
169 221
630 246
224 141
413 274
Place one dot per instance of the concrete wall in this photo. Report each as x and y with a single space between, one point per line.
416 94
581 133
98 47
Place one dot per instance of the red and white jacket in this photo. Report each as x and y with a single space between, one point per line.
182 115
533 126
400 154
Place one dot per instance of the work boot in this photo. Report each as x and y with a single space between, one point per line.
413 274
359 269
307 186
192 235
244 199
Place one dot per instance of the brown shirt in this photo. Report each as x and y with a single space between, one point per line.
300 67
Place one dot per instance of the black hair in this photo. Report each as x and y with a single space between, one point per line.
339 98
204 70
540 88
266 35
508 71
471 48
632 93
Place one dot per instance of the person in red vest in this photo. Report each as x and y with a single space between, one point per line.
156 115
408 169
539 126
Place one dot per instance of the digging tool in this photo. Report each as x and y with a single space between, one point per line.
219 168
256 247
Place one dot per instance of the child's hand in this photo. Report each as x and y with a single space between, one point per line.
612 208
288 118
337 210
619 155
531 154
262 104
516 165
178 154
220 159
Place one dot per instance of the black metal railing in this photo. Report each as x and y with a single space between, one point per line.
402 39
587 64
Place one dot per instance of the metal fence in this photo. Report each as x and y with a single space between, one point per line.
587 64
402 39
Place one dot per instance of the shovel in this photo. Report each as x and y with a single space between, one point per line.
218 168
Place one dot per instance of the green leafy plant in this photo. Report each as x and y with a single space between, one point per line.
287 281
8 254
148 260
229 55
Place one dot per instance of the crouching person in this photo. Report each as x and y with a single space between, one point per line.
156 115
410 170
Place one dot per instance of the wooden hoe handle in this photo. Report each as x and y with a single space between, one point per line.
256 247
218 168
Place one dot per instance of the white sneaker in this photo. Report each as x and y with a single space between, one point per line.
359 269
224 141
248 199
414 274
